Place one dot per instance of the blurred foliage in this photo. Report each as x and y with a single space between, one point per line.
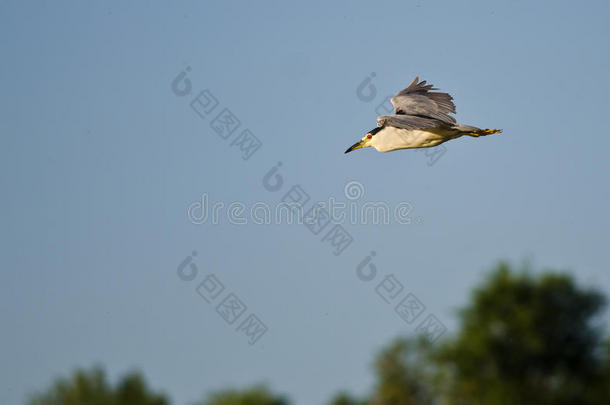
526 339
257 395
92 388
344 398
521 339
405 374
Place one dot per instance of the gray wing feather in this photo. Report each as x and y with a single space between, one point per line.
407 121
418 99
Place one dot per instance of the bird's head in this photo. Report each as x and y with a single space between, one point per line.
365 142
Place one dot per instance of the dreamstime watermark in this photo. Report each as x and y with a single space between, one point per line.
225 124
290 210
228 305
323 221
367 92
228 127
409 308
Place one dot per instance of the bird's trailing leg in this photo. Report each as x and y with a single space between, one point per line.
483 132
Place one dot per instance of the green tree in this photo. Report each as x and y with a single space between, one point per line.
406 374
91 387
257 395
522 339
527 340
344 398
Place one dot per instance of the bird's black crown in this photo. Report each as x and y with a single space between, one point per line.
374 130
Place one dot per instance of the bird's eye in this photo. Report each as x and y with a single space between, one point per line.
369 136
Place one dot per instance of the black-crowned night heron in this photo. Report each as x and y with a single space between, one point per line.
421 120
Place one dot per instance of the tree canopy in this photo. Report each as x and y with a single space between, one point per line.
521 339
257 395
90 387
526 339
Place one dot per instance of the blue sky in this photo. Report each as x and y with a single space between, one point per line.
100 161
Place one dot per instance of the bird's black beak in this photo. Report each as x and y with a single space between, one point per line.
355 146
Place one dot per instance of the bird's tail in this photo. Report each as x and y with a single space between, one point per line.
483 132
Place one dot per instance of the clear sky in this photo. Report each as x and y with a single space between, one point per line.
100 160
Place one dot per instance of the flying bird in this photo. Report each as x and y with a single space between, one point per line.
421 120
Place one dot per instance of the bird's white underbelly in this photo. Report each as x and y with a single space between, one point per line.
391 138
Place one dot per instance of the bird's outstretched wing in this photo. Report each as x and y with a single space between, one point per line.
407 121
418 106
